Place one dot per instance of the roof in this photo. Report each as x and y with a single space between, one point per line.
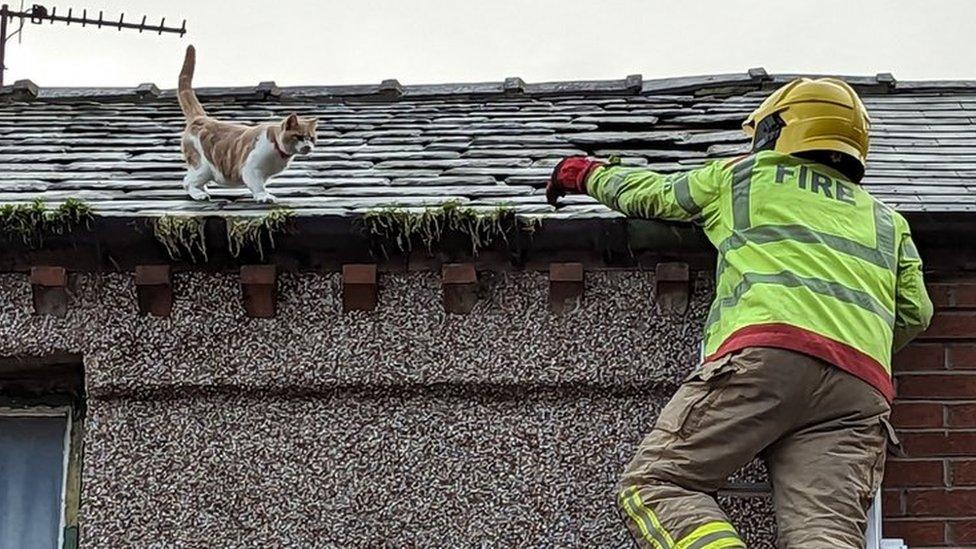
482 145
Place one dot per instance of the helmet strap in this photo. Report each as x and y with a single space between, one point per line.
767 132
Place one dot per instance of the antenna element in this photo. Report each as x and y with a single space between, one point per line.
39 14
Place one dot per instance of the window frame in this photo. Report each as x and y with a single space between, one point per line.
66 412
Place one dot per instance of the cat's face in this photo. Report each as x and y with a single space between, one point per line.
298 134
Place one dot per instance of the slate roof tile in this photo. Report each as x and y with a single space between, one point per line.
482 144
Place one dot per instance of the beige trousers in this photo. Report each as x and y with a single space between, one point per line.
821 431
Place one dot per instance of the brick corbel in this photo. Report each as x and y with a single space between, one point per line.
460 287
258 290
565 286
672 288
49 287
359 287
154 290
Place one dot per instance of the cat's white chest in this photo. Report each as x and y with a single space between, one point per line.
264 158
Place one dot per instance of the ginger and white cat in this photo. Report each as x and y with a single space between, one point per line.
233 154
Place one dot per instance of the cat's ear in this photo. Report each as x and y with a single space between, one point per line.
290 123
311 123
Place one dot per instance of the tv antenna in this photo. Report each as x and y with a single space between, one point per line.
38 14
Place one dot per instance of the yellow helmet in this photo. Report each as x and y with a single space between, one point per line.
823 114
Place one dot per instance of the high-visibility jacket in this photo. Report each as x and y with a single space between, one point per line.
807 260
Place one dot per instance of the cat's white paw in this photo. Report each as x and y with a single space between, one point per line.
265 198
197 194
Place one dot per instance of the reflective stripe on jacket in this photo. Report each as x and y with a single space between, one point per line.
807 260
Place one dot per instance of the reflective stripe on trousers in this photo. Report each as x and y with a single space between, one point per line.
711 535
645 519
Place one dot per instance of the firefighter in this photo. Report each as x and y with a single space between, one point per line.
817 284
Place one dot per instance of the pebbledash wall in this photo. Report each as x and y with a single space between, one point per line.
407 426
401 427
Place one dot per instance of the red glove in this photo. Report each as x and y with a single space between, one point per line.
569 177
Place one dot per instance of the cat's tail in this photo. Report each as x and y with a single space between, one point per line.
188 100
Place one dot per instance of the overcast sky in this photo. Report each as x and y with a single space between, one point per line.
242 42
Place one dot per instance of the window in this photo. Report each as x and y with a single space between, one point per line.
41 420
34 445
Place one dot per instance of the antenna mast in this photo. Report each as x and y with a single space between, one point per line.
39 14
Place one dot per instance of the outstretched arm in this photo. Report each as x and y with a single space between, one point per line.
639 192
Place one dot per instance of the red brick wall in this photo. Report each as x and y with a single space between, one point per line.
930 495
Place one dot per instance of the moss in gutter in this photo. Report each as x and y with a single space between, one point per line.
182 236
32 222
430 225
250 231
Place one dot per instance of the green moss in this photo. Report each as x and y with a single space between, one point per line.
32 222
429 226
250 231
182 236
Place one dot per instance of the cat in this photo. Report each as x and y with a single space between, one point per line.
233 154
